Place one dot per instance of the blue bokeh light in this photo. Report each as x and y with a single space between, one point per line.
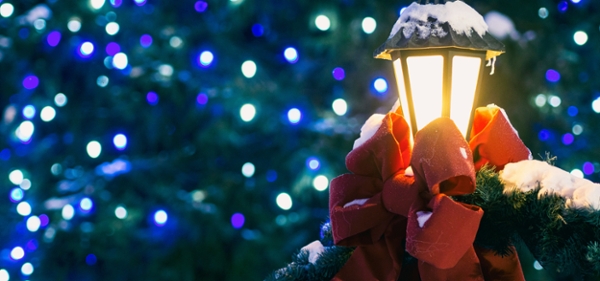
339 73
572 111
152 98
140 2
568 138
271 175
258 30
91 259
86 204
552 75
16 194
237 220
120 141
544 135
53 38
116 3
160 218
313 163
588 168
146 40
294 115
291 55
200 6
563 6
29 111
112 48
380 85
5 154
206 58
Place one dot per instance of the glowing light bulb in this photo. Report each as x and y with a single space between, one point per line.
320 183
68 212
340 107
33 223
248 170
120 61
112 28
160 217
94 149
121 212
580 38
322 22
16 177
120 141
48 113
294 115
247 112
24 209
368 25
284 201
249 69
6 10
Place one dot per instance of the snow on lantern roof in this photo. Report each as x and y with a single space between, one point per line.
453 24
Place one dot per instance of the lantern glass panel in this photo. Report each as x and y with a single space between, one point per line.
426 75
402 90
465 73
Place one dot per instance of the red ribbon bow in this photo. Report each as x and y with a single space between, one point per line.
385 223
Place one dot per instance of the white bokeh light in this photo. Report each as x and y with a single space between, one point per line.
578 173
121 212
120 61
4 276
25 131
6 10
94 149
74 25
580 38
322 22
247 112
112 28
249 69
27 269
320 182
160 217
47 114
24 209
17 253
596 105
294 115
368 25
33 223
284 201
554 101
60 100
248 170
540 100
68 212
340 107
16 177
97 4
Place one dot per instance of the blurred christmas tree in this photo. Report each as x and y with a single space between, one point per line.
193 140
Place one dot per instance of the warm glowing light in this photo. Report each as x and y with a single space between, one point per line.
112 28
426 75
121 212
94 149
48 113
249 69
320 183
322 22
247 112
248 170
580 38
465 73
368 25
284 201
340 107
401 90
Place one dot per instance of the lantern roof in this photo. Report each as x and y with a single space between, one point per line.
453 24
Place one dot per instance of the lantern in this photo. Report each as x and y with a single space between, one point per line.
438 53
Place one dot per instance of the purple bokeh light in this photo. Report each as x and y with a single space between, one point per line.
237 220
146 40
588 168
31 82
202 99
152 98
200 6
568 138
112 48
339 73
32 245
140 2
116 3
44 220
53 38
552 75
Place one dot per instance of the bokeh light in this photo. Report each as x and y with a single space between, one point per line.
102 81
247 112
29 111
320 182
176 42
16 194
120 61
91 259
544 135
338 73
47 114
44 220
284 201
294 115
249 69
576 172
6 10
580 38
552 75
31 82
121 212
60 100
25 184
340 107
24 209
380 85
206 58
577 129
152 98
258 30
596 105
540 100
568 139
291 55
537 265
4 276
200 6
17 253
563 6
93 149
588 168
237 220
25 131
116 3
202 99
112 28
120 141
322 22
140 2
53 38
97 4
554 101
33 223
543 12
27 269
572 111
160 217
74 25
146 40
313 163
16 177
68 212
368 25
86 49
86 204
248 170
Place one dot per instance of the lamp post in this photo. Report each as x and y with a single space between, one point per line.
438 53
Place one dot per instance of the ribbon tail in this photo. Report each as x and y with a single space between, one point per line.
497 268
